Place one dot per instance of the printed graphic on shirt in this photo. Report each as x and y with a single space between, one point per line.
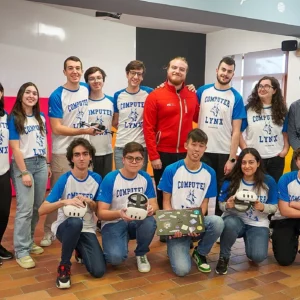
4 137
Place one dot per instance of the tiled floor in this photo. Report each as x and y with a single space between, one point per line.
244 281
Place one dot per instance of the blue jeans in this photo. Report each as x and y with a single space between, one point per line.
179 248
256 238
118 155
29 199
115 238
86 243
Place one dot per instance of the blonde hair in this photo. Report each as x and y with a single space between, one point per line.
179 58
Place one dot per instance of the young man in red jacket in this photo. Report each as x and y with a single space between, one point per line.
169 113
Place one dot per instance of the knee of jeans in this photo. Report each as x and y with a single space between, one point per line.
217 224
181 270
115 258
151 223
75 223
98 272
258 257
232 223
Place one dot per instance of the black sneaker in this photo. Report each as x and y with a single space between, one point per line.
222 266
5 254
1 262
63 280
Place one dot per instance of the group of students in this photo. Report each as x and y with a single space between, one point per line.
157 124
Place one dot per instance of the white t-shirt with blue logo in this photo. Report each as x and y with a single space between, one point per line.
115 189
218 108
101 112
262 133
266 196
67 187
32 142
188 188
288 190
131 109
4 137
72 108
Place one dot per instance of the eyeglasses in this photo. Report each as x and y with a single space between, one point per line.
137 159
133 73
95 79
266 87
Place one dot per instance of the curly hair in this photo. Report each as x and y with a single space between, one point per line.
279 109
236 175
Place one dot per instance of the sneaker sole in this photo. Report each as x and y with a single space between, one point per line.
62 285
201 270
6 258
24 266
144 271
37 252
221 273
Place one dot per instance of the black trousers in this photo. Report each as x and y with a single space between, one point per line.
217 162
166 159
285 240
293 165
5 201
103 164
274 166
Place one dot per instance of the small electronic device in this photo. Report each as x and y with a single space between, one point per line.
72 211
97 126
183 220
137 205
243 200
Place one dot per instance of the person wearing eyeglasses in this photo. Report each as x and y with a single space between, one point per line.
117 228
129 111
265 128
68 107
101 110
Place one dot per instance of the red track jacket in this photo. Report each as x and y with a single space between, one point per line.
168 118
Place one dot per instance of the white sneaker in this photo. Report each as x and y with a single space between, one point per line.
143 263
218 241
35 249
26 262
47 240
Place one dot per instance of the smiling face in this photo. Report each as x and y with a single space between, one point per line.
30 98
265 90
95 81
195 150
73 71
225 73
177 71
135 77
133 162
249 166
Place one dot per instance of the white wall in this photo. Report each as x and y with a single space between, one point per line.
232 41
26 54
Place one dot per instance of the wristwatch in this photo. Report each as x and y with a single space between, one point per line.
233 160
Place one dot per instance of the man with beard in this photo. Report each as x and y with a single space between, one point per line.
168 118
220 117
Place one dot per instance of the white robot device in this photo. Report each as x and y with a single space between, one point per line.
243 200
72 211
137 206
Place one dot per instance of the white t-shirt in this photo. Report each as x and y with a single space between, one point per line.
101 112
72 108
67 187
115 189
4 136
251 216
218 108
262 133
131 109
188 188
32 142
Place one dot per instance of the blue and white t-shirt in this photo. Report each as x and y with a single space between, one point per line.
188 188
288 190
218 108
4 136
115 189
32 142
130 108
67 187
262 133
101 112
251 216
72 108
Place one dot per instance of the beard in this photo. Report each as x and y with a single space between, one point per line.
177 81
223 82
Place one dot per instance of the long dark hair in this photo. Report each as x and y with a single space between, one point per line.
279 109
1 101
236 175
19 114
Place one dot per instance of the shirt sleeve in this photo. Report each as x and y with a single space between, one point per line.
212 188
199 93
106 188
239 111
223 195
150 192
273 191
116 96
98 179
58 189
166 181
283 193
55 109
13 133
285 124
244 122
